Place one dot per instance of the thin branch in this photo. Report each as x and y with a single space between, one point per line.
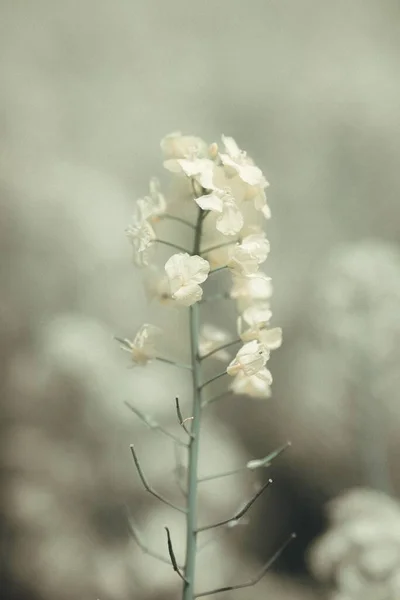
266 462
203 385
172 245
181 420
217 246
215 398
174 218
172 556
241 512
218 269
172 362
221 475
138 539
153 424
227 345
255 579
147 486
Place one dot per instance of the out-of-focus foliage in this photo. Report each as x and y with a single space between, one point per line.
88 89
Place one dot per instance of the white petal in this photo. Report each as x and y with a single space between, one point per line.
231 146
197 269
210 202
271 338
188 294
231 221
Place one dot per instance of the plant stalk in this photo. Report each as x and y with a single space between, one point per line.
191 518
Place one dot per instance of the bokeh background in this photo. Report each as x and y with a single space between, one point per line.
311 89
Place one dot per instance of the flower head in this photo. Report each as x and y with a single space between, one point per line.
151 207
210 339
141 235
237 160
246 257
250 359
185 273
257 385
187 155
143 347
247 290
230 220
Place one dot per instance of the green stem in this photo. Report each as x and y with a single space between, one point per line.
171 245
178 219
217 246
191 518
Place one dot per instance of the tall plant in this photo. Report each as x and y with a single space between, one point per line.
219 197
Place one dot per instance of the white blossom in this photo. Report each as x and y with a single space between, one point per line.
187 154
256 317
230 220
157 287
247 290
141 235
151 207
250 359
257 385
236 159
175 145
210 339
246 257
185 273
143 347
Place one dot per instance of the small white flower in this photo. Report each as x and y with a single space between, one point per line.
141 235
230 220
187 154
236 159
210 339
143 347
246 257
176 145
257 317
250 359
157 286
257 385
153 206
247 290
185 273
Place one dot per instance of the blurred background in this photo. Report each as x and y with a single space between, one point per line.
311 90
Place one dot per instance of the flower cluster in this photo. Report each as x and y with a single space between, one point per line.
227 191
360 553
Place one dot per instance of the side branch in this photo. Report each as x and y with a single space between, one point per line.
145 549
227 345
172 556
255 579
241 512
147 486
153 424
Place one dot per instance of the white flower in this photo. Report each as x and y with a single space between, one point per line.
175 145
250 359
187 154
157 286
239 162
143 348
260 202
247 290
141 235
246 257
257 317
185 272
230 220
210 339
153 206
257 385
